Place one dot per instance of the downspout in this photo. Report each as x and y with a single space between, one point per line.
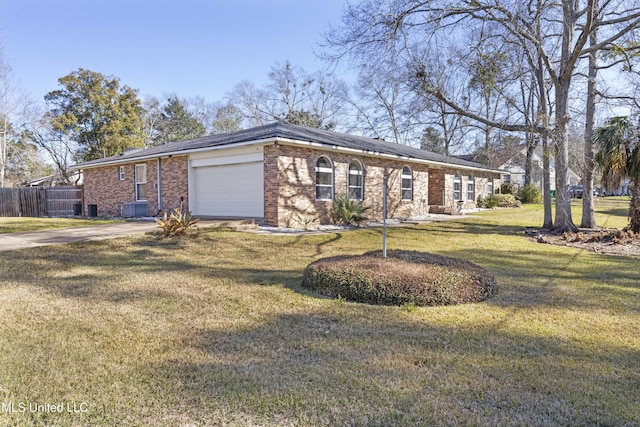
159 168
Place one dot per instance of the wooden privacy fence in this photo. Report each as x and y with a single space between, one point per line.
41 201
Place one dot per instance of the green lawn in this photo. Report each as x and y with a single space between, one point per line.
16 225
216 331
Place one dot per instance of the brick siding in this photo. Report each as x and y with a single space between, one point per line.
103 187
441 187
290 185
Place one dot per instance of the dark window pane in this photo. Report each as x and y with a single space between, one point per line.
323 178
323 192
355 180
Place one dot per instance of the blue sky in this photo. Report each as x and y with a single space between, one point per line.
190 47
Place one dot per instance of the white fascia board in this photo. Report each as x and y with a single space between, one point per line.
173 153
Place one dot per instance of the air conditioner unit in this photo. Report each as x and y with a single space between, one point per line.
135 209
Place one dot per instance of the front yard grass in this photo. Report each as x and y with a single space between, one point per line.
17 225
216 330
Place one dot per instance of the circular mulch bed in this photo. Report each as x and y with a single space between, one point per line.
403 277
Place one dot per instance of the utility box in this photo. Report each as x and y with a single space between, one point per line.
135 209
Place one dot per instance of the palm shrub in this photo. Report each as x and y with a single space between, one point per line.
305 219
618 155
178 223
347 211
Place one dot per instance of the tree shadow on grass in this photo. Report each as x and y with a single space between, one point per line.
322 368
103 270
464 228
566 280
620 212
91 270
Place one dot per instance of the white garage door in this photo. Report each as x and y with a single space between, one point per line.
229 190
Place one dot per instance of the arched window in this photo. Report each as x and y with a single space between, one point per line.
470 189
324 179
356 188
407 183
457 188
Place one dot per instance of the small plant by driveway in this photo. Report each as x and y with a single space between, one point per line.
178 223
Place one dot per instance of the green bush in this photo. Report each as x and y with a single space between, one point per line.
347 211
177 223
507 201
507 188
498 201
530 194
403 278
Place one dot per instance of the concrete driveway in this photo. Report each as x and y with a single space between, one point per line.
30 239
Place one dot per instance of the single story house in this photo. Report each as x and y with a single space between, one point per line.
75 178
278 173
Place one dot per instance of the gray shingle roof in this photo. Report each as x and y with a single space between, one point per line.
286 131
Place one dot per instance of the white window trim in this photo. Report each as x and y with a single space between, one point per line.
403 176
359 172
121 173
471 185
459 191
138 199
328 170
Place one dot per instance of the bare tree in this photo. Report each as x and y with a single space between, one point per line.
60 149
9 105
250 101
373 28
151 119
292 95
226 118
381 105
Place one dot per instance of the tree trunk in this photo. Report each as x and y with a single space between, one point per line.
588 210
563 221
562 85
634 208
4 149
543 114
546 183
528 163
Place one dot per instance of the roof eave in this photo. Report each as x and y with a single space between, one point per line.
281 140
117 161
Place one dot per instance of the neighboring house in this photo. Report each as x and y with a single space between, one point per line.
52 180
278 172
623 190
513 160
